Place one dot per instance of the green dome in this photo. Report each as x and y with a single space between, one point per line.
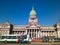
33 12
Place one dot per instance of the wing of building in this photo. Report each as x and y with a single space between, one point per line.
32 28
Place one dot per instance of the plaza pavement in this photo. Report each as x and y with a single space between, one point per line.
42 43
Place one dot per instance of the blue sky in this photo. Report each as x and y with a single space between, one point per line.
17 11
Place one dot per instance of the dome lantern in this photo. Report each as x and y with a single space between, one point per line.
33 12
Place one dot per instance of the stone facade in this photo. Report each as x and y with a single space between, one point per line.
6 28
33 29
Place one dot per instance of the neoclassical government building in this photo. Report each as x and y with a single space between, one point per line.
32 28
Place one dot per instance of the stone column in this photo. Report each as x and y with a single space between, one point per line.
54 33
39 34
51 33
42 33
31 33
26 31
46 33
36 33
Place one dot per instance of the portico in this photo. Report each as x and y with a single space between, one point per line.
33 33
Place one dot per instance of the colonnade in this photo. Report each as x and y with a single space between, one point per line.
48 33
18 32
33 33
37 33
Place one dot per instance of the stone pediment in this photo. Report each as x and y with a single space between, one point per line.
33 26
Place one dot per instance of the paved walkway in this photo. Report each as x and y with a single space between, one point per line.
57 43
